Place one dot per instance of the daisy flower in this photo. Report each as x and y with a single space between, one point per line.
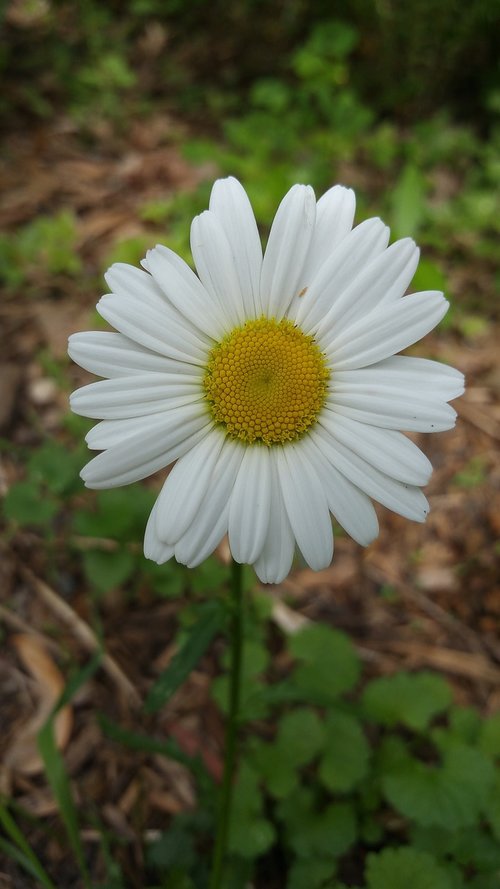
270 382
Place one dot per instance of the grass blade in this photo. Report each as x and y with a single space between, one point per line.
20 850
55 768
187 657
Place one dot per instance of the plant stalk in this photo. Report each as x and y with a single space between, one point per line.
226 791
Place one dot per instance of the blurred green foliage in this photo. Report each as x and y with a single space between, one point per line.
41 250
407 58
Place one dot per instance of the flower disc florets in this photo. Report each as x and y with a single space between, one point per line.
266 381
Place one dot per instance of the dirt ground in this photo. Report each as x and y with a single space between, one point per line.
420 596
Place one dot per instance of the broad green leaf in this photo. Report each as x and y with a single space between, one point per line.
451 795
412 699
120 513
404 868
200 636
106 571
313 832
24 504
328 664
173 849
489 738
253 692
465 724
492 809
468 847
344 762
168 580
313 873
250 834
300 736
56 467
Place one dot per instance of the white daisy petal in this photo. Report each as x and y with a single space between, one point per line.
380 282
128 281
108 433
276 557
387 450
208 528
334 217
108 354
350 506
216 267
186 486
401 374
289 239
386 330
406 500
229 203
306 506
250 505
364 242
133 459
154 548
135 396
157 329
186 292
395 411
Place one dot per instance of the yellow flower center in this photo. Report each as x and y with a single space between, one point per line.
266 381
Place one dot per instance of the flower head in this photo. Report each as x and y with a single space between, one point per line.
270 382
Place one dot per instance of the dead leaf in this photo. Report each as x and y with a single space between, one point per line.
22 755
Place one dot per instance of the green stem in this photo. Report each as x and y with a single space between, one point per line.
226 791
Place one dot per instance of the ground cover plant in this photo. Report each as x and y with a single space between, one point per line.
370 740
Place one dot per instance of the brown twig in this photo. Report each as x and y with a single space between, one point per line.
84 634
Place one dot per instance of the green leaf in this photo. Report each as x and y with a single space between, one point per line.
21 850
404 868
200 636
465 723
253 693
167 580
120 514
346 753
408 202
55 466
209 577
300 737
428 276
328 664
412 699
451 796
174 849
23 504
327 833
489 738
310 874
468 847
250 835
108 570
492 809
